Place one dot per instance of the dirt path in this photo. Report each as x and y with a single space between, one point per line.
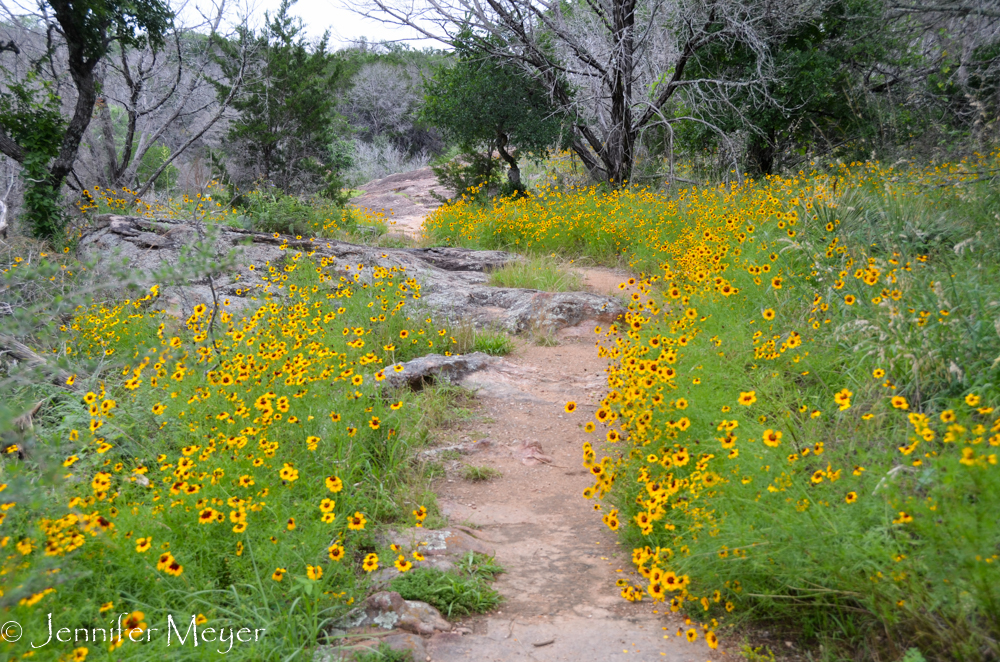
402 200
561 561
561 602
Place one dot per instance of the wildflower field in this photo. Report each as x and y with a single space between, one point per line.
802 418
209 488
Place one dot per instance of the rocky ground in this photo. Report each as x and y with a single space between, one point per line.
402 200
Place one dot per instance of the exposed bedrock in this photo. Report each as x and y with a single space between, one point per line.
453 280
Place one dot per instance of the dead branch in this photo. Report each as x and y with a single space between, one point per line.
22 352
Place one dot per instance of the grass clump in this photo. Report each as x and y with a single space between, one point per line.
480 474
537 273
494 343
384 653
470 339
802 419
461 592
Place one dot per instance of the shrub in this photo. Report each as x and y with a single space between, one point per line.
274 211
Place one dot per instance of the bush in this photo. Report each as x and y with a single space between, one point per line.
471 175
274 211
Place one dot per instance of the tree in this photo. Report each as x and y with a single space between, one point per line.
829 70
612 66
87 30
283 132
482 102
148 93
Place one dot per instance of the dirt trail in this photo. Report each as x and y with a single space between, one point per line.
561 602
561 561
402 200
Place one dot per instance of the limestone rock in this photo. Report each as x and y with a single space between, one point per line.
433 367
454 542
467 448
388 610
405 642
453 282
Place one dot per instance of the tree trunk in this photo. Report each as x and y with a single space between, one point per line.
620 146
514 174
760 155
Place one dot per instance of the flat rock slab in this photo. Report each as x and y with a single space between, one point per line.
453 280
403 199
403 642
567 637
431 368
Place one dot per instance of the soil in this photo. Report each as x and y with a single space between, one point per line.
561 561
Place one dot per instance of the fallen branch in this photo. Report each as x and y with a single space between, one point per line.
22 352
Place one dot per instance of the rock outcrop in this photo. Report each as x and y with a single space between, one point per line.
453 280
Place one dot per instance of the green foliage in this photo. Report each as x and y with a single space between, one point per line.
471 174
483 103
286 107
37 127
468 338
151 162
30 114
383 654
537 272
461 592
272 210
495 343
131 24
480 474
823 96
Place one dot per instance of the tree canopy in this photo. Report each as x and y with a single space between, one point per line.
482 102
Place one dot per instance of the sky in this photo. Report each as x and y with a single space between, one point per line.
344 25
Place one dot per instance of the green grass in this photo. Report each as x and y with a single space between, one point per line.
470 339
480 474
536 272
493 342
461 592
383 654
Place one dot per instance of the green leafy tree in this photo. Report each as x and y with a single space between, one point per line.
284 131
32 130
830 76
481 102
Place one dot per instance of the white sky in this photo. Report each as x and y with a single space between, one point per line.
317 15
344 25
